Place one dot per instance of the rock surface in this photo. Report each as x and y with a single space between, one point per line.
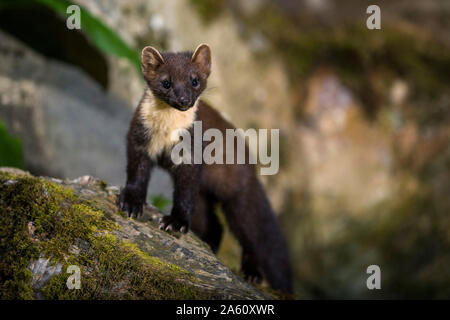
185 266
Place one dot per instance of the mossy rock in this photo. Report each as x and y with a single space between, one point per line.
47 225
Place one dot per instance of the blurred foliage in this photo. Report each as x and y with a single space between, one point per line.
11 154
160 202
367 60
406 236
208 10
102 36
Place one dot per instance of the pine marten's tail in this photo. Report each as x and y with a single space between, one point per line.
272 252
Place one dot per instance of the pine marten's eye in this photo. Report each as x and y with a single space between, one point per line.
195 82
166 84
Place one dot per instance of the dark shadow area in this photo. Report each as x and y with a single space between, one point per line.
45 31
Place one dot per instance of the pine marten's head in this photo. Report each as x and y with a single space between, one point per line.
178 79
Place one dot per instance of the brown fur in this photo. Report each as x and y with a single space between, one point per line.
199 187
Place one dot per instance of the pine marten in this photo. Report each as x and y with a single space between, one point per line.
171 102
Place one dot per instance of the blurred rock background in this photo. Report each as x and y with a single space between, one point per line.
363 118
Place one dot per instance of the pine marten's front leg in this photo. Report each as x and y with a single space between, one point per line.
132 197
139 166
186 178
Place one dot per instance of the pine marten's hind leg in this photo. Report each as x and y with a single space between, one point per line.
243 222
205 223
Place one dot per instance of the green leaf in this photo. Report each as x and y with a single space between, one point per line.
11 154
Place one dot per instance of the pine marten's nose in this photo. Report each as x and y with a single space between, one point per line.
184 101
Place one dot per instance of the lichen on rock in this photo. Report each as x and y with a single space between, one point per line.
47 225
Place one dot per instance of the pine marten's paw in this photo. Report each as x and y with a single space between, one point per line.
252 276
250 269
131 202
174 224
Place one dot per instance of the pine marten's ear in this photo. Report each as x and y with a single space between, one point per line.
151 60
202 58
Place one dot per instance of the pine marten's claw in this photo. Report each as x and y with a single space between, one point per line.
170 223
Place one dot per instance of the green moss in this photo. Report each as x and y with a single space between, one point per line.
117 269
102 184
23 199
39 217
122 214
79 221
275 294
